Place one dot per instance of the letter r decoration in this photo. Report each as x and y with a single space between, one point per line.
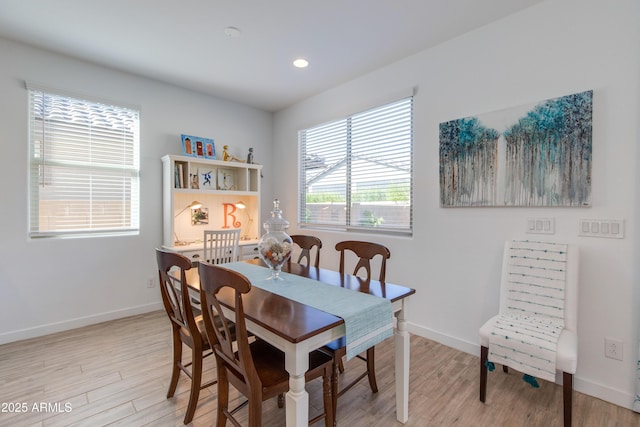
229 212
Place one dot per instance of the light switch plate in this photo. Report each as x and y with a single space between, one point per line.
609 228
541 225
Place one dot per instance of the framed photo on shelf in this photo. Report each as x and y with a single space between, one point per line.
195 146
187 146
194 183
200 216
206 179
209 149
226 179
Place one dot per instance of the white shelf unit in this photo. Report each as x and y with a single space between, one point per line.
218 186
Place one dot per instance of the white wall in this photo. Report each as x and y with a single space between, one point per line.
553 49
51 285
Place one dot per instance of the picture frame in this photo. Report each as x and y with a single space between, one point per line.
226 179
195 146
194 183
200 216
187 146
536 154
209 149
206 179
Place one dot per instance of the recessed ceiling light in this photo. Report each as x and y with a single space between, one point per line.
300 63
232 32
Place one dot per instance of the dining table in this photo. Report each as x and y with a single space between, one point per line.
298 328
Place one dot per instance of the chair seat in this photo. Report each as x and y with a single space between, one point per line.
339 344
269 363
200 322
566 352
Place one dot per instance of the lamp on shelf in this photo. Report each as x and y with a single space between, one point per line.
192 205
242 205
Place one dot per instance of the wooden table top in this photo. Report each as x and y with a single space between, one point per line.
292 320
373 287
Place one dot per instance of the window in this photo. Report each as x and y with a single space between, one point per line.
84 167
356 173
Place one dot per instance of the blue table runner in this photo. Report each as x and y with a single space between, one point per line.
368 319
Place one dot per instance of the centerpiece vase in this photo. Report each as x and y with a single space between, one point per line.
275 245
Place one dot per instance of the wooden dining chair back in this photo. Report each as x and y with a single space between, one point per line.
307 245
221 246
186 328
256 369
365 252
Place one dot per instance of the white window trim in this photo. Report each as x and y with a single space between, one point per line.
402 230
114 180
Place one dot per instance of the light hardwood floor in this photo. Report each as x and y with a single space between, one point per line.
117 373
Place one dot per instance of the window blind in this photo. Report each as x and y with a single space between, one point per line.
356 173
84 167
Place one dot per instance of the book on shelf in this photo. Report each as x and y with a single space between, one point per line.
181 175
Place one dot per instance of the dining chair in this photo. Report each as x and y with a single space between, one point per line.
256 369
186 328
538 292
364 252
221 246
306 244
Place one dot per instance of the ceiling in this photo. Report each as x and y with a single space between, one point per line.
184 42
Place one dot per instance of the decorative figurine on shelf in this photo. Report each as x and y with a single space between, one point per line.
250 156
228 157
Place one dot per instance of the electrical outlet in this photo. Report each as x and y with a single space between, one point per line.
150 282
613 348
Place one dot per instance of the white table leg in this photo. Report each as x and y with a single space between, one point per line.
402 346
297 398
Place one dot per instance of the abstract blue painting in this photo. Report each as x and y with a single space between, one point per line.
533 155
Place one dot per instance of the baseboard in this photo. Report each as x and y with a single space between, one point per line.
449 341
66 325
599 391
603 392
